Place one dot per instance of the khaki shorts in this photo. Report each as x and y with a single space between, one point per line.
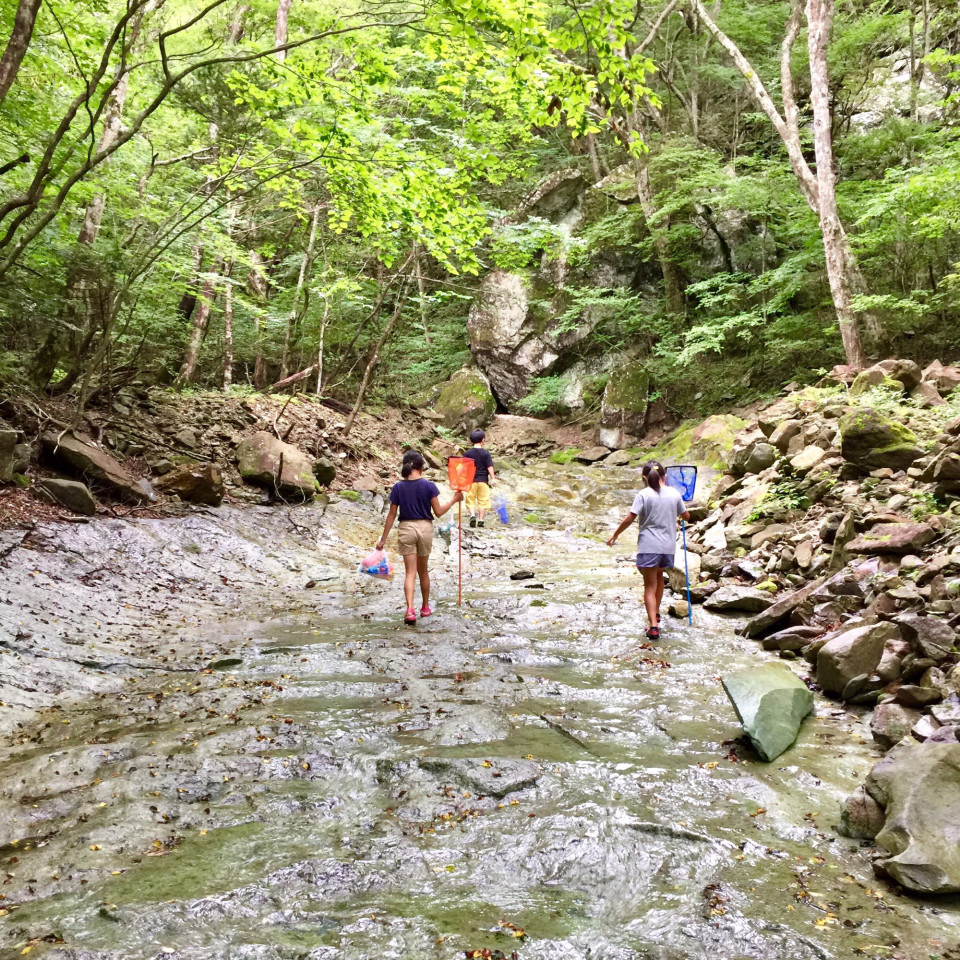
415 536
478 497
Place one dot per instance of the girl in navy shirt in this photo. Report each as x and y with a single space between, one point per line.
417 500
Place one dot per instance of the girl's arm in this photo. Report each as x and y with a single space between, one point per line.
624 523
391 516
685 515
438 510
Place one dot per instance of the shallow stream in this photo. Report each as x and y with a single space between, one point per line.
527 774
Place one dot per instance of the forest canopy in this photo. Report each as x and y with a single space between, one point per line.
308 194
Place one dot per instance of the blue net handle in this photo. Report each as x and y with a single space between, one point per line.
683 479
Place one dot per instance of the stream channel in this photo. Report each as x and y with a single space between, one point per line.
525 775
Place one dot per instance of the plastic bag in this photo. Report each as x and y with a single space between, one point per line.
377 564
500 508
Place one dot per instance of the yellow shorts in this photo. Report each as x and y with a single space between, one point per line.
415 536
478 497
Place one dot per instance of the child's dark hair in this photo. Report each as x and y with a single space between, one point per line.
654 474
412 460
477 436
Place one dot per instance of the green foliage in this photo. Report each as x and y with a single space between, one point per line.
544 397
784 497
564 456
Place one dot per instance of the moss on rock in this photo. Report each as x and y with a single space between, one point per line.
466 401
870 440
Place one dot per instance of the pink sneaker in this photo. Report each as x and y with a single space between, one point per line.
426 612
410 618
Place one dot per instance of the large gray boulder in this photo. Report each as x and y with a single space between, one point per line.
737 597
282 468
92 462
771 701
918 787
466 401
870 440
623 410
71 494
852 653
515 331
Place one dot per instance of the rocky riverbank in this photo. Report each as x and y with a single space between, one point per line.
837 527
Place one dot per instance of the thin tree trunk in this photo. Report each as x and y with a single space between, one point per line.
257 282
201 322
373 360
842 270
228 328
280 29
323 330
421 293
835 244
306 265
16 49
672 281
292 379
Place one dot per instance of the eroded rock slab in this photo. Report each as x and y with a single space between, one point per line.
771 702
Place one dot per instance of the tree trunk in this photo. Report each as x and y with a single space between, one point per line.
839 259
198 330
257 282
227 328
672 281
280 29
16 49
373 360
323 331
843 272
421 293
306 265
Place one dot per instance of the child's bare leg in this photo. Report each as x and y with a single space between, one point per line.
660 583
409 577
424 572
650 598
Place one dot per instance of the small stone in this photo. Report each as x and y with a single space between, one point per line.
891 722
807 459
679 609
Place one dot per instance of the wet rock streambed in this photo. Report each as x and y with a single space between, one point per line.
253 769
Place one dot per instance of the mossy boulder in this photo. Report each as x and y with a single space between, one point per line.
710 442
875 379
870 440
280 467
466 401
623 411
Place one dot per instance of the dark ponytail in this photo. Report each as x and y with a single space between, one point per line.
411 461
654 474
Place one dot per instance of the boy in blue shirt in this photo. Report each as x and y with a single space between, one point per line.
478 496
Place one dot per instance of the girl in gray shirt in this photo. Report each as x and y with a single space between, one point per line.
658 508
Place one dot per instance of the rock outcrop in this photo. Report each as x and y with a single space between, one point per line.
515 334
71 494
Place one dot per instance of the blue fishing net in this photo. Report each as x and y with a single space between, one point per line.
683 479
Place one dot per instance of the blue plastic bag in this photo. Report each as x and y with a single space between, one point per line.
500 508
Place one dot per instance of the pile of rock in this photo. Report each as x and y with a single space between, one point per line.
838 527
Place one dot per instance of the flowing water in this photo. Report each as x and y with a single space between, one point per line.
525 775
